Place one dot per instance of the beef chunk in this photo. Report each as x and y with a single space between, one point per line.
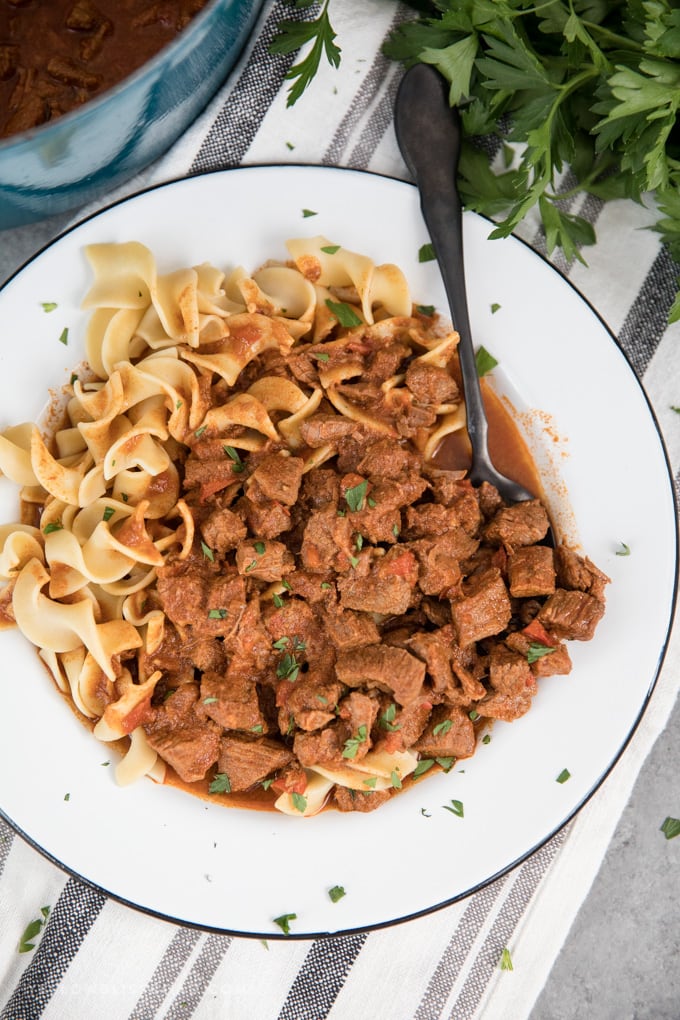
429 519
449 734
319 429
266 520
509 671
247 761
484 610
231 700
310 702
348 630
195 593
357 800
390 669
182 735
277 479
264 561
359 712
223 530
388 459
520 524
327 541
507 707
578 573
431 384
572 615
322 747
389 595
531 571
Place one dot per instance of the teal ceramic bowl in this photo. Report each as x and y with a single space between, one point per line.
63 164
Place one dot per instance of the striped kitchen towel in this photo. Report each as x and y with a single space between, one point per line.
95 957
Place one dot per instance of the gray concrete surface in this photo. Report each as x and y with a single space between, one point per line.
621 960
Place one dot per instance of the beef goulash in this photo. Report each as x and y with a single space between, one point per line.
244 558
56 55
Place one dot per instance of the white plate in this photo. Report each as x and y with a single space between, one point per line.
592 431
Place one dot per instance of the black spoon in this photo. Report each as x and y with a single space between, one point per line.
429 136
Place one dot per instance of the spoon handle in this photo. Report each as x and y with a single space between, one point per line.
421 109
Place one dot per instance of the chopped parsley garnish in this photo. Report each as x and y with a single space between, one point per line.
425 813
473 715
423 766
306 213
395 779
623 550
495 307
299 802
238 464
344 313
671 827
563 776
251 566
370 782
220 784
266 783
326 585
67 796
425 309
288 668
63 336
336 893
446 763
352 743
48 306
277 600
486 739
199 431
484 361
281 643
259 548
505 960
426 253
207 552
33 929
257 728
284 922
331 249
217 614
321 356
386 720
456 808
209 701
442 728
356 496
52 526
536 651
108 513
74 378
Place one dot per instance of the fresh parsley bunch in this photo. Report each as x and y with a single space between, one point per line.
589 85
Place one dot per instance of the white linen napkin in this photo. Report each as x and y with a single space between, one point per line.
96 957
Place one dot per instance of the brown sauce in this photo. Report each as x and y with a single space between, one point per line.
56 55
507 448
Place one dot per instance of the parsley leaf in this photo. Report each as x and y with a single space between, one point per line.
26 943
352 743
537 651
344 313
294 34
220 784
336 893
484 361
671 827
284 922
356 495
